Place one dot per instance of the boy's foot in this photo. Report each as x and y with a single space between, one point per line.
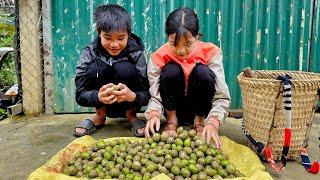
137 127
87 127
171 127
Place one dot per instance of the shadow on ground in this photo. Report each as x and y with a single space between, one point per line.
28 142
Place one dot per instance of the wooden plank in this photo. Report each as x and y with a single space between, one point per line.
31 63
47 57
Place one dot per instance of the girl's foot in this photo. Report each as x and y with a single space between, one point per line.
171 127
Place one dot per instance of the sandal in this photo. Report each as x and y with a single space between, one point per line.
89 127
171 126
136 125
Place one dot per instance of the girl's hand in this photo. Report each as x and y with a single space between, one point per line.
124 94
105 94
210 131
153 121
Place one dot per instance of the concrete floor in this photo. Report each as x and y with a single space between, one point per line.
28 142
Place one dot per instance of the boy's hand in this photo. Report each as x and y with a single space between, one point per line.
210 131
105 94
124 94
154 121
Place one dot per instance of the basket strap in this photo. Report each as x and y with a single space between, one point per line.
305 161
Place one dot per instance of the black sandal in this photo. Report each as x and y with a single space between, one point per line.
86 124
137 124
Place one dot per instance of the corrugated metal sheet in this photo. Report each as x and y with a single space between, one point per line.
315 51
257 33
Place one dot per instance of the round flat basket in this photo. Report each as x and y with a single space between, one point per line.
263 108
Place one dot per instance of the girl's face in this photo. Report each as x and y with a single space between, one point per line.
184 46
114 42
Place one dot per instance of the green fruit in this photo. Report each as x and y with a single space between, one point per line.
129 157
137 177
209 159
156 137
199 142
146 176
215 164
93 173
136 158
162 169
224 163
101 175
168 164
151 167
122 177
185 172
153 145
170 140
222 173
178 178
85 155
118 166
219 157
170 175
101 144
174 153
200 167
159 152
136 165
199 154
155 173
120 160
143 170
129 176
143 161
210 172
194 177
201 161
114 172
179 148
115 87
164 136
183 155
128 164
187 142
202 148
168 157
183 135
125 170
110 165
179 142
182 164
193 156
192 133
230 169
180 130
193 169
192 161
175 170
202 176
71 170
188 150
150 140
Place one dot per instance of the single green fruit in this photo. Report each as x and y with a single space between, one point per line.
199 154
188 150
200 167
101 144
136 165
208 159
192 133
114 172
183 135
146 176
185 172
93 174
170 140
151 167
168 164
202 176
230 169
175 170
222 173
115 87
156 137
85 155
210 172
224 163
180 130
201 161
193 169
187 142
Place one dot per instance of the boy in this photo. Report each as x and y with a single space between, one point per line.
111 73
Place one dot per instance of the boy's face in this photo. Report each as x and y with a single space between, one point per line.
184 46
114 42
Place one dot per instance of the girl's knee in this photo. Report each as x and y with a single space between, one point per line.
203 73
171 71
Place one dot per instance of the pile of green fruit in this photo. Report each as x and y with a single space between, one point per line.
184 157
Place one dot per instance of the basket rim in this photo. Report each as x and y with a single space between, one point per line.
241 76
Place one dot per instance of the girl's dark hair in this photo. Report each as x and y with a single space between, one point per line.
112 17
180 21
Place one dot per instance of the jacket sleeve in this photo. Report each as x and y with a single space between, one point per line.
221 99
155 103
143 95
85 96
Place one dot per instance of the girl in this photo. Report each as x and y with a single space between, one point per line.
187 80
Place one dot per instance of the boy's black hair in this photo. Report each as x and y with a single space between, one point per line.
180 21
112 17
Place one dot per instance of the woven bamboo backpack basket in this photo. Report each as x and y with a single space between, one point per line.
263 108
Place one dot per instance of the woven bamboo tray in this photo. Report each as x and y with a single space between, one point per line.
263 108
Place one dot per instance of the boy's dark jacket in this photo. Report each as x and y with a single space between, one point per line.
94 54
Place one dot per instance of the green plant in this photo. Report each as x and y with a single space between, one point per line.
2 112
